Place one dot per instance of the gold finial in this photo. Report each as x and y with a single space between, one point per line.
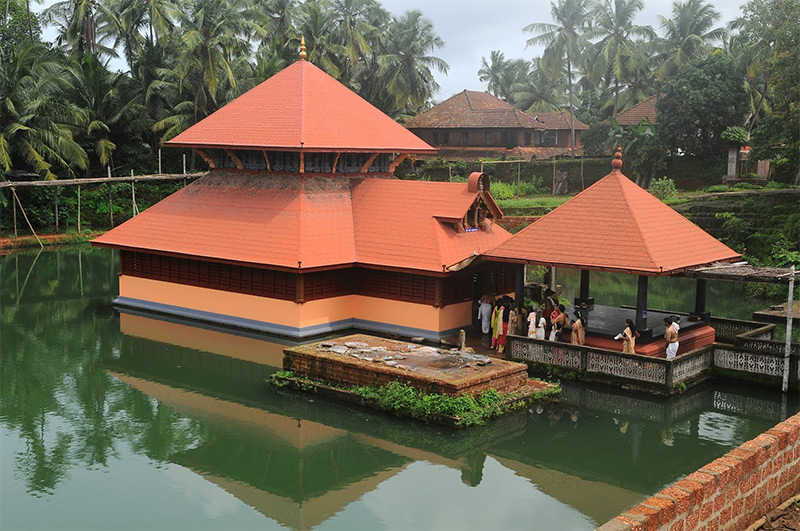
303 53
616 163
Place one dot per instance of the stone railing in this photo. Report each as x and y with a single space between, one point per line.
657 373
761 362
728 329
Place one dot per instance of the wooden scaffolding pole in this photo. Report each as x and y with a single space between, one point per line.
14 192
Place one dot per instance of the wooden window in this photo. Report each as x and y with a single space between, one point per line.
547 138
445 137
436 137
527 138
487 137
464 138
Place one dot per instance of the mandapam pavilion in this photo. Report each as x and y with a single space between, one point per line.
301 229
616 226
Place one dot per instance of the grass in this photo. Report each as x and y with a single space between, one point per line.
546 201
405 400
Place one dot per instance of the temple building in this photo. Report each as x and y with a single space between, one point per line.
300 227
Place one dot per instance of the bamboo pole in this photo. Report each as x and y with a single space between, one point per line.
159 161
518 171
98 180
13 191
14 204
79 209
788 348
56 210
554 176
583 185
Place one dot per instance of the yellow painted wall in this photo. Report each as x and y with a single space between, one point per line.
287 313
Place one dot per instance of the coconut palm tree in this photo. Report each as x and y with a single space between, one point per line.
538 92
82 25
36 123
491 71
617 52
564 43
406 65
688 34
214 35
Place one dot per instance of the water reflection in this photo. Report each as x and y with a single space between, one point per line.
91 400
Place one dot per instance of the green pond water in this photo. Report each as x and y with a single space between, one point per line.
111 421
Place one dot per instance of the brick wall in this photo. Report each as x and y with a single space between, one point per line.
343 370
731 492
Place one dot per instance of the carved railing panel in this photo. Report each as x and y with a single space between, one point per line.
545 352
752 362
685 367
607 362
727 329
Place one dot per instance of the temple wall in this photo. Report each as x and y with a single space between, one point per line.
290 318
731 492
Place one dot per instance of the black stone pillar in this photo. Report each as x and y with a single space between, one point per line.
583 300
700 301
519 283
641 304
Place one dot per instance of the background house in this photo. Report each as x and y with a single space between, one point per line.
471 125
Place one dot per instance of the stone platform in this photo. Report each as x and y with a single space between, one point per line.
360 359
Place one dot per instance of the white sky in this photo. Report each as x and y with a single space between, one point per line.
471 29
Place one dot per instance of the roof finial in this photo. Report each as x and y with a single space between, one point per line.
616 162
303 53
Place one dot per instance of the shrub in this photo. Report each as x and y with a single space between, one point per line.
501 190
664 188
717 188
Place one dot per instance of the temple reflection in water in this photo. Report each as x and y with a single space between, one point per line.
315 458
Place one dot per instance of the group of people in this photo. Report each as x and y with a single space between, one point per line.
505 316
630 335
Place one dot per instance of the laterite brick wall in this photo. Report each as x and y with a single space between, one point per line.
731 492
345 371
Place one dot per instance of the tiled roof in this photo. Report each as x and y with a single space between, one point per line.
320 221
615 225
474 154
473 109
558 120
301 108
644 109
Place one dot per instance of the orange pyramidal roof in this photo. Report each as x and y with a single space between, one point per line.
614 225
301 108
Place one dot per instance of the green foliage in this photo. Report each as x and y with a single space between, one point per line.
501 191
664 188
717 188
736 135
403 399
703 99
735 231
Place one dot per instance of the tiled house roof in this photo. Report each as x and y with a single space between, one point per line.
615 226
301 108
558 120
473 109
644 109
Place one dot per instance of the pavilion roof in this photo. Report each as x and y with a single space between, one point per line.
301 108
614 225
313 221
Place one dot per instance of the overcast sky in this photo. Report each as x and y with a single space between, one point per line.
471 29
